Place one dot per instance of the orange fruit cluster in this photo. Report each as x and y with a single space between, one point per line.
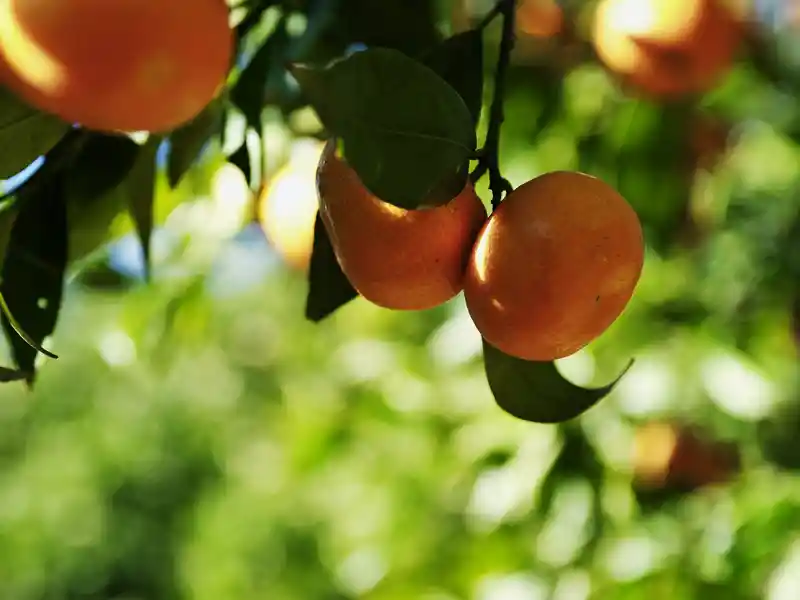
548 272
121 65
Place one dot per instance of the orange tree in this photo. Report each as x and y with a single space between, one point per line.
406 108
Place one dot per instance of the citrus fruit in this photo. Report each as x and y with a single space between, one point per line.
129 65
396 258
667 48
554 266
539 18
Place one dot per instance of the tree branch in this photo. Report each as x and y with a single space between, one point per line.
489 161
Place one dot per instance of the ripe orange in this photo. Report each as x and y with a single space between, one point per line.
539 18
131 65
669 455
554 266
667 48
396 258
287 207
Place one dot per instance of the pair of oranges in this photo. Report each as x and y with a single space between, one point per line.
549 271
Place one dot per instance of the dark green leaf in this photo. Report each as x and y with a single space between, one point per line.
459 61
91 188
103 163
536 391
33 271
328 287
187 142
141 185
248 93
241 158
406 132
25 133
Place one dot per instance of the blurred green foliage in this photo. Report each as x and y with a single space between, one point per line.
199 440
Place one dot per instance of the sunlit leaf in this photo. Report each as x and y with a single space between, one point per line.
536 391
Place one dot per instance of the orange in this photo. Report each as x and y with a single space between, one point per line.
287 206
554 266
396 258
539 18
130 65
667 48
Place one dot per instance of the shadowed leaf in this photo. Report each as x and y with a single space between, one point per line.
536 391
328 287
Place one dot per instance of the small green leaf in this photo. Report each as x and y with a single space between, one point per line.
33 271
536 391
459 61
241 158
188 141
328 287
141 187
25 133
248 92
406 131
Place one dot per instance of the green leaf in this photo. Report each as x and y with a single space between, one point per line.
328 287
406 131
459 61
141 187
25 133
536 391
248 92
102 163
33 270
188 141
92 188
241 158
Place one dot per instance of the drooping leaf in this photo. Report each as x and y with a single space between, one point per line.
459 61
25 133
241 158
328 287
536 391
141 185
188 141
406 132
33 270
248 92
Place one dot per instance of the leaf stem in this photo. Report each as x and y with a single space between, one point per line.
489 161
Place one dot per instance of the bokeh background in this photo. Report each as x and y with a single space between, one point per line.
199 440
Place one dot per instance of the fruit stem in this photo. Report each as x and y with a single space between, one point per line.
489 161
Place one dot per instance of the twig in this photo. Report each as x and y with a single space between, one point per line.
489 161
